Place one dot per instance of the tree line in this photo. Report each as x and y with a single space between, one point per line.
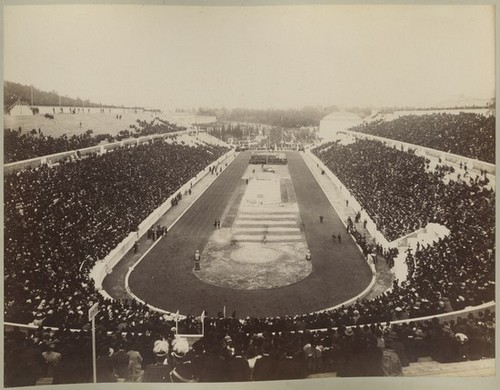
14 92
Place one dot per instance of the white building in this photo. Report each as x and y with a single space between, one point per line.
18 109
337 121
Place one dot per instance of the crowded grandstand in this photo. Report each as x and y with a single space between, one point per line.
63 219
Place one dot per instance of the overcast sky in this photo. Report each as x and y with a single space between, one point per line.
280 57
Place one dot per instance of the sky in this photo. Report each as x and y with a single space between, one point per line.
254 57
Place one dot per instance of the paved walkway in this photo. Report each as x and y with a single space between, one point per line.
484 367
474 368
114 283
384 275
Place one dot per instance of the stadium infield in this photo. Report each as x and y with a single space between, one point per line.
165 278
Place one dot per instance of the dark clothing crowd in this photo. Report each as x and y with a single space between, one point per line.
229 353
22 145
60 220
466 134
401 195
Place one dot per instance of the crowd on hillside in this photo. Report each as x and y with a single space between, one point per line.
227 353
60 220
21 145
466 134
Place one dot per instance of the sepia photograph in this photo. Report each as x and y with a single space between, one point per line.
274 194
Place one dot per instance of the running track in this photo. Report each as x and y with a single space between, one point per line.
165 279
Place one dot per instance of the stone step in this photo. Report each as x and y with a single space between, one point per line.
484 367
428 367
272 238
266 217
263 210
261 234
263 223
271 229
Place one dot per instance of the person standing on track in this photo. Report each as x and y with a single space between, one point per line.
339 237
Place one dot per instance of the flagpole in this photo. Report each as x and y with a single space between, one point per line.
94 358
203 323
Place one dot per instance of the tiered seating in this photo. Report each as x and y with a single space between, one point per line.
117 190
59 221
19 145
466 134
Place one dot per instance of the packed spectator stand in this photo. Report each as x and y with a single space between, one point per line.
414 197
116 191
466 134
22 145
60 220
231 352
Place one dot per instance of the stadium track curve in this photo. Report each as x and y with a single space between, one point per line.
165 279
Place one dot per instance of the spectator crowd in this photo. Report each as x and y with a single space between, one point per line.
60 220
466 134
401 194
22 145
230 352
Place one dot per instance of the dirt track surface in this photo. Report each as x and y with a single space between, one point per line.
165 278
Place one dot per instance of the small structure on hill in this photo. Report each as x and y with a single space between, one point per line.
19 108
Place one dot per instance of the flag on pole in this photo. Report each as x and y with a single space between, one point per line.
203 323
177 322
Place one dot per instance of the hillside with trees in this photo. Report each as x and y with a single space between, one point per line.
14 92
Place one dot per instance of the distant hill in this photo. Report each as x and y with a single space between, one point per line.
14 92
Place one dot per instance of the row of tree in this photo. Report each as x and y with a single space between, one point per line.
288 118
307 116
14 92
267 135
